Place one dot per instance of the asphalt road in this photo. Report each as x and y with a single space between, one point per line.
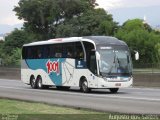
128 100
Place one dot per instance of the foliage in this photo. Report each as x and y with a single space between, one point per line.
1 48
16 39
13 59
141 38
10 50
92 22
45 19
64 18
42 16
16 56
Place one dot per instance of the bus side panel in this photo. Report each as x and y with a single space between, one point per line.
71 74
90 77
27 73
65 74
49 69
68 71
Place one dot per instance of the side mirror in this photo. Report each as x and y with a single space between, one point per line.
97 56
136 55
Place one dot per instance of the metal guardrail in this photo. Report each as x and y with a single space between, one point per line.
10 73
147 74
146 68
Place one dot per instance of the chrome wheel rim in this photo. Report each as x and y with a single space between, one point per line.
85 85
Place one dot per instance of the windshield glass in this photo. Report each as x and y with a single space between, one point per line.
115 60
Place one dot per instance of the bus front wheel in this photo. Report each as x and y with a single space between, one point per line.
84 86
114 90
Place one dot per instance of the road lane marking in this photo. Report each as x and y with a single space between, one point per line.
82 94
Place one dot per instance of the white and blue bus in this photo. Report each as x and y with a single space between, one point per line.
93 62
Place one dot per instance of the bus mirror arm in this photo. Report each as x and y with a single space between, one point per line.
136 55
98 57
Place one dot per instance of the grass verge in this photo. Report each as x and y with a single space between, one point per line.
20 110
21 107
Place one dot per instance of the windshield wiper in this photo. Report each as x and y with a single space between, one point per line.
115 63
118 62
110 70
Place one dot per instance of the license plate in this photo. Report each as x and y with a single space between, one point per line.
118 84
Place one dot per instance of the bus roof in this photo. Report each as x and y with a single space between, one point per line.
98 40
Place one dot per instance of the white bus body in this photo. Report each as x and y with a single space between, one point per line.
91 62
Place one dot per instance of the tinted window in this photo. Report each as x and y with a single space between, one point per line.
64 50
79 54
91 57
68 50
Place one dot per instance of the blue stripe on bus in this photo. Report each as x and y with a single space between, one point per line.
52 67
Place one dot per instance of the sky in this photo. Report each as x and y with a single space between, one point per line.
121 10
7 16
114 4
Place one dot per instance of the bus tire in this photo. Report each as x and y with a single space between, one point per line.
33 82
39 82
84 86
114 90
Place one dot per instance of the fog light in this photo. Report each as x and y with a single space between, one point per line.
102 85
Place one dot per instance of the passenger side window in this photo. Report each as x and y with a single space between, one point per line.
58 51
92 62
55 51
68 50
91 57
79 51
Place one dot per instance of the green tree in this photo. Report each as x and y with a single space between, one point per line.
92 22
43 16
157 47
1 47
64 18
134 24
13 59
10 48
16 56
140 38
45 19
16 39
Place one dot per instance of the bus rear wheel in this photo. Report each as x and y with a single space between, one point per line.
114 90
39 83
84 86
33 83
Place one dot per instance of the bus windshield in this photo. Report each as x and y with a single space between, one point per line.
115 61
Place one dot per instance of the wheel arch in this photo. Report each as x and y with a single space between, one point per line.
38 76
